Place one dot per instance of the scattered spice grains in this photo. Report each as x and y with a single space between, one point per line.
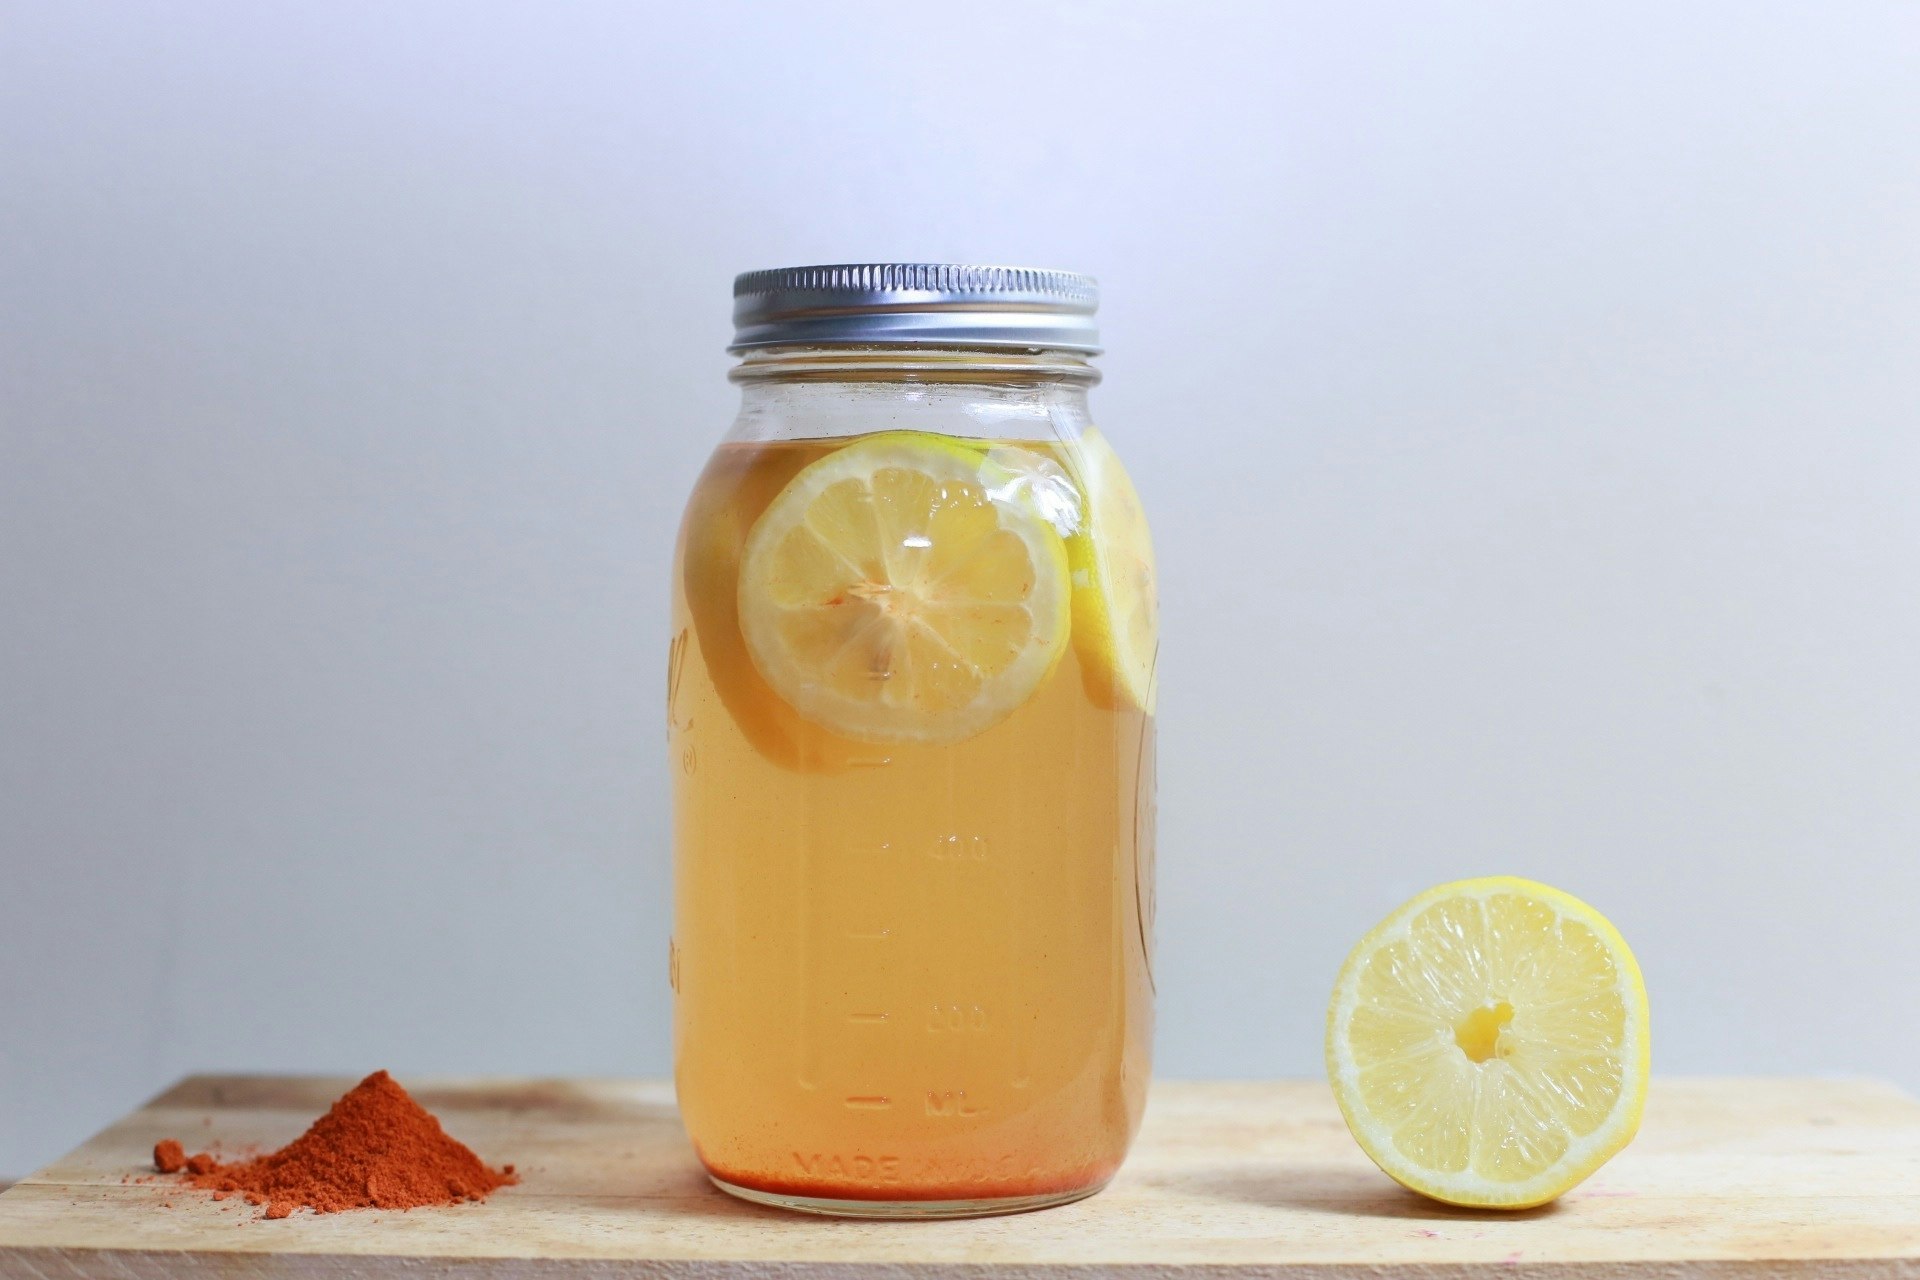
375 1149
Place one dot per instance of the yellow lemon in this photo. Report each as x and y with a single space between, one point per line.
891 594
1488 1043
1116 611
728 500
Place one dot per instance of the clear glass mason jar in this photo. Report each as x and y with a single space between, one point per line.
911 696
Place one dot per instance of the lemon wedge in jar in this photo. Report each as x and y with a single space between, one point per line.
1116 611
889 595
1488 1043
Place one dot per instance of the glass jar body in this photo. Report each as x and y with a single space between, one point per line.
912 971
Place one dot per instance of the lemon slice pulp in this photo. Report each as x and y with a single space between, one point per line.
888 594
1116 613
1488 1043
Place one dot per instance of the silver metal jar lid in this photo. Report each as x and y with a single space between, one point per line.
915 304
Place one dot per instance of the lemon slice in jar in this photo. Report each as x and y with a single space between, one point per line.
1116 611
735 489
1488 1043
890 595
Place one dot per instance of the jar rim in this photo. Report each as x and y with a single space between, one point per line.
903 362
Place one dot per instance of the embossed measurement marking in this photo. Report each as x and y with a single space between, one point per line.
951 1102
957 1017
959 848
868 1102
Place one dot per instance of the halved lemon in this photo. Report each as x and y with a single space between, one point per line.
1488 1043
889 595
1116 611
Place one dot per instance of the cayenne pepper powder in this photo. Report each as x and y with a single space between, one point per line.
375 1149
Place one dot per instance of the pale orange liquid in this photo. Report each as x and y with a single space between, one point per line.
903 972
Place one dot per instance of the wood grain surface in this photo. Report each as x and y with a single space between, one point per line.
1729 1178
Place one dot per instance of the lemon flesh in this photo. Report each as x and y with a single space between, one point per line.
1488 1043
1116 612
891 594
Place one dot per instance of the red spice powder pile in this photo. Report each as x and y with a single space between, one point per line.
375 1149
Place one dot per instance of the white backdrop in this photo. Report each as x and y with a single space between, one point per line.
1525 399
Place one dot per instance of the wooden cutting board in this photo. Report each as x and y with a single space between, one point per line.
1729 1178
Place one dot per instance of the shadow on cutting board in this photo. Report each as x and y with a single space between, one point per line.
1341 1189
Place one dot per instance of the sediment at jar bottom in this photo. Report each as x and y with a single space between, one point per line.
888 1180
